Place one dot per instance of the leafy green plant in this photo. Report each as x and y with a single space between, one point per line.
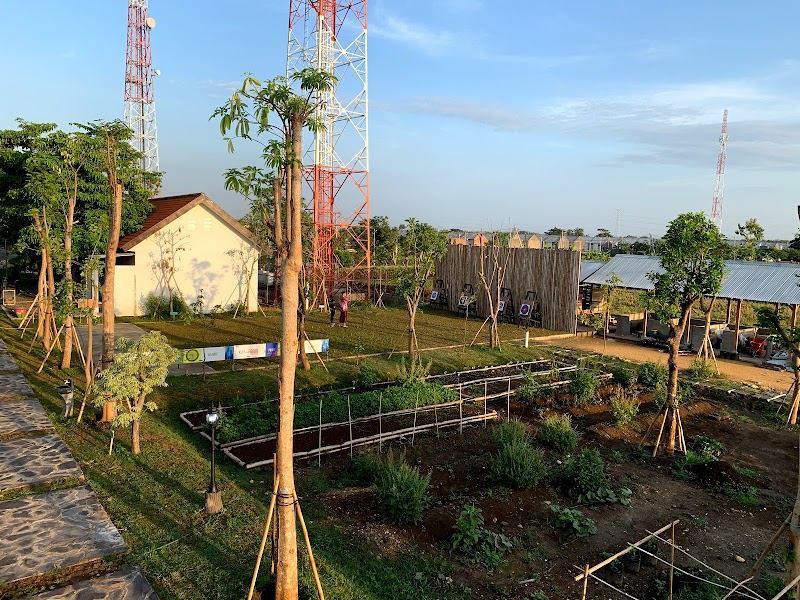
701 370
530 389
413 373
624 376
583 386
366 376
157 307
472 538
584 478
519 465
402 491
742 493
650 375
540 595
624 408
365 467
660 395
708 447
510 431
573 522
557 432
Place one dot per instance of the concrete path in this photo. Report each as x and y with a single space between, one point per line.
52 530
128 584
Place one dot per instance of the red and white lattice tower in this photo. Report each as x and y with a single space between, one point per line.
140 105
716 206
332 35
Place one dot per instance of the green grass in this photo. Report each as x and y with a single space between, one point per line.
156 499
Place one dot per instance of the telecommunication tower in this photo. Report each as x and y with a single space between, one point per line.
332 35
716 206
140 105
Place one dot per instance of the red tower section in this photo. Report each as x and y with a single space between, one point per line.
332 35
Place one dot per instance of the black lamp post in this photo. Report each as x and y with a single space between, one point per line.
213 496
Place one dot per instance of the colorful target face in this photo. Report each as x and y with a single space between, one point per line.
525 310
434 296
501 306
462 301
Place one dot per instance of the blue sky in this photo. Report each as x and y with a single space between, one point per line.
483 114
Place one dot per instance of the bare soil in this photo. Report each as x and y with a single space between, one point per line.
714 526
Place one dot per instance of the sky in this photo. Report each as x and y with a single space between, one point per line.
483 114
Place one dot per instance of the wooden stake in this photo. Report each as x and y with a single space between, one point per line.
671 559
350 422
738 585
508 401
771 543
661 431
380 422
52 345
319 442
793 583
585 581
263 540
308 547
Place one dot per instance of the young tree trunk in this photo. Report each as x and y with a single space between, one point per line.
301 339
66 359
795 403
114 223
674 344
794 526
286 580
135 437
412 347
43 326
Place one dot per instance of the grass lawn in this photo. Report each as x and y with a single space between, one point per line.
156 499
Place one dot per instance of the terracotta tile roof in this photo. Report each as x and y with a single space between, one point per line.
167 209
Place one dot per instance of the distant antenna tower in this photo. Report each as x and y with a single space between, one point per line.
332 35
140 105
716 206
618 231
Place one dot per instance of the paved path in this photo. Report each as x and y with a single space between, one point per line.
57 529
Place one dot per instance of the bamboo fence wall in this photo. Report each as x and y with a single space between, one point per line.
553 274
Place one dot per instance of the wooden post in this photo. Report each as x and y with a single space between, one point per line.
671 558
508 401
644 325
728 312
738 324
380 422
319 441
461 417
794 316
414 430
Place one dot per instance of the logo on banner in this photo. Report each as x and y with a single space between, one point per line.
215 353
273 349
192 355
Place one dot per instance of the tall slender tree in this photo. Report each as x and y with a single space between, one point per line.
691 267
273 115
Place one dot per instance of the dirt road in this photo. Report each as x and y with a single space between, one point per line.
730 369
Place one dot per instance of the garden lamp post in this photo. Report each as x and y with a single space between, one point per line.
213 496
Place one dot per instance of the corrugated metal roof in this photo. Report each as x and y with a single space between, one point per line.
744 280
590 266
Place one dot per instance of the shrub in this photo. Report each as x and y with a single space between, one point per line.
472 538
365 467
583 386
624 377
366 376
413 373
584 478
510 431
557 432
650 375
530 389
157 307
660 395
708 447
574 523
402 491
624 408
701 370
519 465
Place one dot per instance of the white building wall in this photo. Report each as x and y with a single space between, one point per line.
202 264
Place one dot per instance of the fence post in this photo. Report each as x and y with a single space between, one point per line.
380 422
414 429
461 417
319 441
350 423
508 401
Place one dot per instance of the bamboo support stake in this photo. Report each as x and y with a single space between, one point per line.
461 418
350 423
585 581
771 543
508 401
738 585
671 559
793 583
53 345
661 431
414 430
319 441
263 540
380 422
274 545
308 547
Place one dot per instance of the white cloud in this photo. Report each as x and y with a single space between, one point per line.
413 34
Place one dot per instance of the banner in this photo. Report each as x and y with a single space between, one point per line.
249 351
273 349
217 353
318 346
191 355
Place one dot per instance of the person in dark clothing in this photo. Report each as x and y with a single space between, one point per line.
332 308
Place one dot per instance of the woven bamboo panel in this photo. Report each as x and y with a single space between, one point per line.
553 274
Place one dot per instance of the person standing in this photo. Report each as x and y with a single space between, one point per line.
343 304
332 308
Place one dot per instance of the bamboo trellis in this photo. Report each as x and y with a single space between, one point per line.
552 274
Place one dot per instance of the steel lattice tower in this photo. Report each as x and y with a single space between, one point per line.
140 105
716 206
332 35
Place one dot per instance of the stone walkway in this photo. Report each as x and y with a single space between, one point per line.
51 530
